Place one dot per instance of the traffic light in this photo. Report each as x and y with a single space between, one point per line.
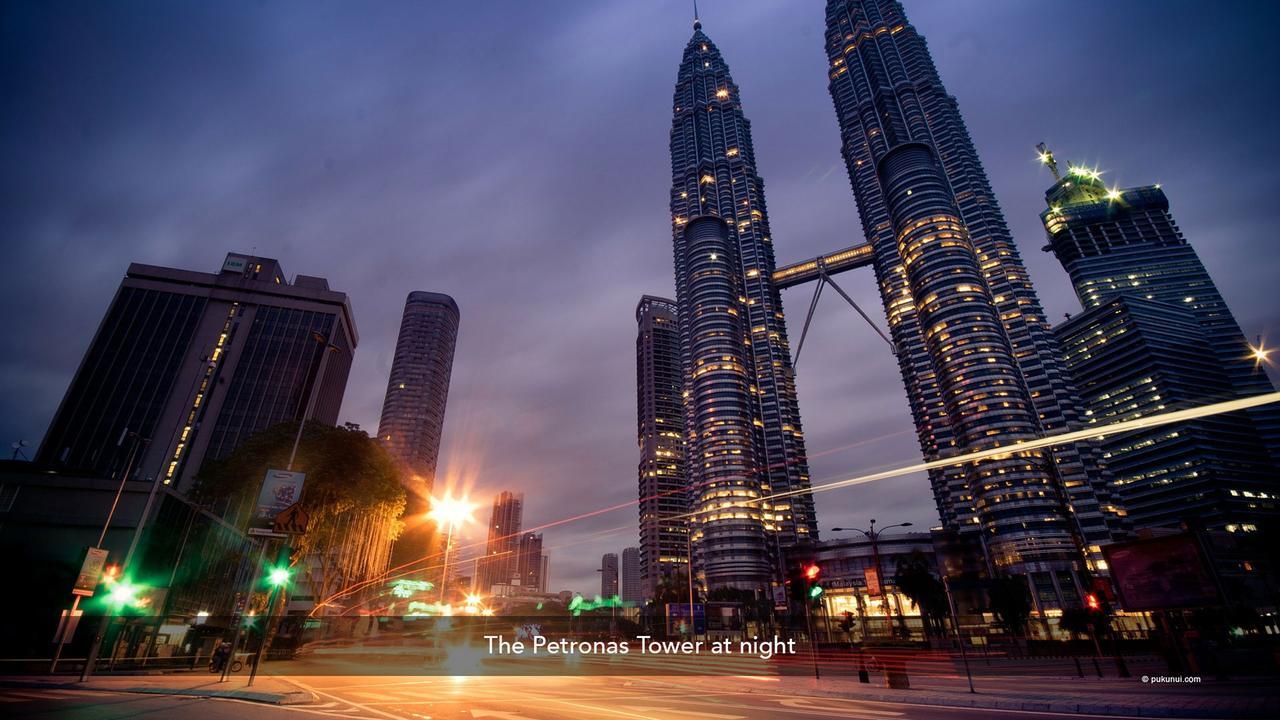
813 588
281 573
1092 603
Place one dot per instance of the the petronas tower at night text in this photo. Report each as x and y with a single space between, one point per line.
742 420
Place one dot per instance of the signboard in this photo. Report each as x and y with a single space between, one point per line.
678 619
1161 573
67 627
90 572
292 520
872 577
234 263
280 489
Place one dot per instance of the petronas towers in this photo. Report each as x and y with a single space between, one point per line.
980 365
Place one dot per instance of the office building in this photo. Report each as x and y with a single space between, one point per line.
1157 336
529 562
663 482
632 588
609 575
499 564
186 365
898 126
714 176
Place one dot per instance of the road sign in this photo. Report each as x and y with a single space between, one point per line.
292 520
280 489
90 572
872 576
67 626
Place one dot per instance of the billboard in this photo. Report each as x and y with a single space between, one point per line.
1161 573
280 489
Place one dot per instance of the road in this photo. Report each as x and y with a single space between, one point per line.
496 698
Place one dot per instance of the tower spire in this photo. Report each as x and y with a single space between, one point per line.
1046 157
697 24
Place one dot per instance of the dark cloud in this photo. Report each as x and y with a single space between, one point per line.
514 155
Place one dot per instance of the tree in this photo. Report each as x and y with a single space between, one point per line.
1080 622
352 495
1010 603
916 580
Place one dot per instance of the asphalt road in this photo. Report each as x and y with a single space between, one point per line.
497 698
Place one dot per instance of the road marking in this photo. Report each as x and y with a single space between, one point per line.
358 706
673 711
500 714
807 704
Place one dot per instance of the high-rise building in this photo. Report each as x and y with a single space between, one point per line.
186 365
713 168
632 588
529 562
418 388
608 575
660 432
1155 336
899 127
413 410
499 564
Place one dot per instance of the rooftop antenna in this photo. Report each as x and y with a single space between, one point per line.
1046 157
697 24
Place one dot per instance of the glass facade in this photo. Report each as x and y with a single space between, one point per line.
713 168
124 380
887 93
1157 335
663 482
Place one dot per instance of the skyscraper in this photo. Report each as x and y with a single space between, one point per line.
499 565
418 387
194 363
660 432
632 588
898 127
529 562
414 406
608 575
1156 335
714 175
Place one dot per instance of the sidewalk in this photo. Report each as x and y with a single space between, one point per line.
266 688
1235 699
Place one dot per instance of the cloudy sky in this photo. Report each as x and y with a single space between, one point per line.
514 155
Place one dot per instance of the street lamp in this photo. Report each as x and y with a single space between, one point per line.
327 347
874 536
449 512
1258 352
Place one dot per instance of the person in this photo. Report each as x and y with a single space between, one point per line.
220 656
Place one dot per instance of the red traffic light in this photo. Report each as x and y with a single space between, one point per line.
811 572
1091 602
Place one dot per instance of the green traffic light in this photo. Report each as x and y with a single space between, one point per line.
279 576
815 591
123 593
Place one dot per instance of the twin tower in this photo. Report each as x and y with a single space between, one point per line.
977 357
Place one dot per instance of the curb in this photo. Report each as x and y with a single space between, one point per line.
296 697
978 701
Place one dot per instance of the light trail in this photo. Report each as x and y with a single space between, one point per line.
1067 438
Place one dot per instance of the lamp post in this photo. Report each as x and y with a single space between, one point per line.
449 512
874 536
139 447
323 341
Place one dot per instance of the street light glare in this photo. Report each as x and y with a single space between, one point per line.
450 511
